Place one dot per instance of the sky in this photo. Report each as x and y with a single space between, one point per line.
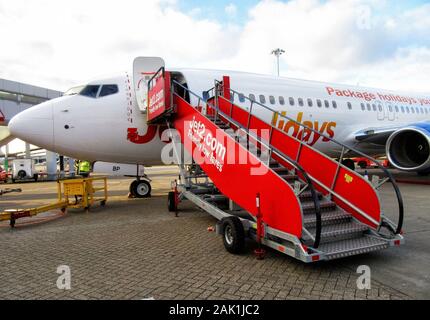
378 43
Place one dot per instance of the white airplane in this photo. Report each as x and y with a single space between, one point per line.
104 120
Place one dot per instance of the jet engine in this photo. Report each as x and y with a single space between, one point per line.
408 148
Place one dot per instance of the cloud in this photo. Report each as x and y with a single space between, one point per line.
338 40
56 44
231 10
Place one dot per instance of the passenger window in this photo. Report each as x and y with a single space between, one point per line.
90 91
301 104
291 101
397 109
413 110
369 107
380 108
349 105
407 110
403 109
319 103
108 90
241 97
374 107
281 101
310 103
363 107
262 99
252 97
327 104
422 110
418 111
334 104
272 99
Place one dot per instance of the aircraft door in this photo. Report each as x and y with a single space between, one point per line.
143 70
380 110
385 111
391 114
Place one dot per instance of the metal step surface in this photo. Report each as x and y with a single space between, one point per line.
214 198
328 218
350 247
289 177
340 231
281 170
307 196
274 164
308 206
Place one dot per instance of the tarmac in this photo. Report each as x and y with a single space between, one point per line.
136 249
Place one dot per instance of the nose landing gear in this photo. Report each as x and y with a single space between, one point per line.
140 188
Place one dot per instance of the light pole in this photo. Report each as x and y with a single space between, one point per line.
278 52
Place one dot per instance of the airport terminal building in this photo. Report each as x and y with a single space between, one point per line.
14 98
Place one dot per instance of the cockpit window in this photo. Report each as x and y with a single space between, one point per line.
108 89
90 91
73 91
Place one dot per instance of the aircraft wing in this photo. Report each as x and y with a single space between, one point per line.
5 136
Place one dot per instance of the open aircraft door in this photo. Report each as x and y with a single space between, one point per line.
143 70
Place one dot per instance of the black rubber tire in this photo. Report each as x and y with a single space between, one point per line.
362 165
171 203
36 177
21 174
233 235
349 163
132 188
140 189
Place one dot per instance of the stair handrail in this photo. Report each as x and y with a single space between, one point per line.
397 229
272 150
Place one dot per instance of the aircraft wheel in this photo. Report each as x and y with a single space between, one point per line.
140 189
349 164
233 235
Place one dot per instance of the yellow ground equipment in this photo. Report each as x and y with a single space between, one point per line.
72 193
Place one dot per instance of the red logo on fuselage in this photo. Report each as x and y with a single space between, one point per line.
134 137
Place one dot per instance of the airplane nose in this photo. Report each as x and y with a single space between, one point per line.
35 125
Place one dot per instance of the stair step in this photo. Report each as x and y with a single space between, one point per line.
340 231
349 247
327 218
307 195
202 191
289 177
281 170
308 206
215 198
274 164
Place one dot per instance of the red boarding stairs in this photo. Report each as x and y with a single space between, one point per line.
262 183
